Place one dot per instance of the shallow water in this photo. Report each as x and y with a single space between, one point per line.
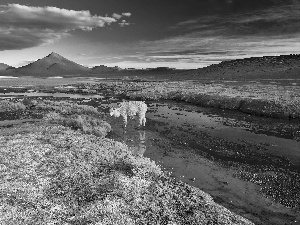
206 148
7 77
228 154
231 155
54 95
232 126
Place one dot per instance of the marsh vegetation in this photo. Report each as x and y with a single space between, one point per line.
62 170
99 180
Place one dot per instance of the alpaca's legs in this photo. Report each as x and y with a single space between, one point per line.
144 121
140 120
125 121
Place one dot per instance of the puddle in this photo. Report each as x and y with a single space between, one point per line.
7 77
213 150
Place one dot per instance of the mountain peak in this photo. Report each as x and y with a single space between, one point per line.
53 64
54 54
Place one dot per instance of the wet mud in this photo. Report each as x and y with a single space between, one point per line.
249 164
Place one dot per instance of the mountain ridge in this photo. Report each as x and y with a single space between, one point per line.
4 66
52 64
266 67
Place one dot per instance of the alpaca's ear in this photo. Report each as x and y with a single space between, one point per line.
111 111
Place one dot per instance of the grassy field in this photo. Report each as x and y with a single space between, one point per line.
32 81
59 171
7 106
279 99
282 101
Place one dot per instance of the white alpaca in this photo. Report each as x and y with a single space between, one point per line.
130 108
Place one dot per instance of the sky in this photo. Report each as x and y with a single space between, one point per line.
184 34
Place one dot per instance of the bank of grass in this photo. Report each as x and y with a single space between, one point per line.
34 81
9 106
258 99
52 174
66 108
62 107
85 123
85 118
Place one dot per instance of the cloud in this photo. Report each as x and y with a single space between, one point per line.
192 48
116 16
25 26
126 14
247 5
124 23
276 20
24 63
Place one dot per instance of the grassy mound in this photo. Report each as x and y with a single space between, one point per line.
87 124
9 106
51 174
66 108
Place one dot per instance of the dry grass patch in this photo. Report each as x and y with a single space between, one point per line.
9 106
87 124
66 108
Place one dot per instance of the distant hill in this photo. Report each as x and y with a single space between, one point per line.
4 66
56 65
102 68
267 67
51 65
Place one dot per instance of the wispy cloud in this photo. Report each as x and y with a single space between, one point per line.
116 16
277 20
25 26
124 23
23 63
126 14
214 38
216 48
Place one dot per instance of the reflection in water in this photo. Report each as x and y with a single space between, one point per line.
139 147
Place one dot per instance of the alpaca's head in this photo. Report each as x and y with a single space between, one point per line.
114 112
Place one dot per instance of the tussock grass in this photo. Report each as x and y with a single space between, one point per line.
78 117
66 108
87 124
29 102
9 106
51 174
